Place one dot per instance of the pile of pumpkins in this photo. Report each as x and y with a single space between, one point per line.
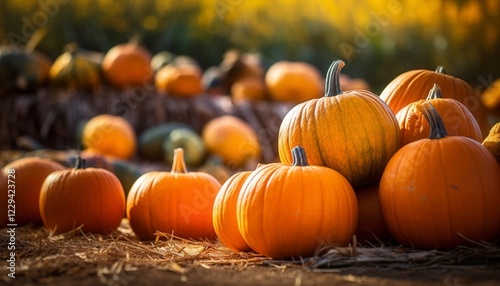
419 164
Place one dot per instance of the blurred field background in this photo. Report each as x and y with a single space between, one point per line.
377 39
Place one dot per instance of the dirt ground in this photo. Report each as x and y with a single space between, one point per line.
271 275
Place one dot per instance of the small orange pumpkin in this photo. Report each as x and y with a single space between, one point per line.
128 65
110 135
89 197
294 81
248 89
21 181
232 139
289 211
182 80
441 192
224 213
176 202
457 119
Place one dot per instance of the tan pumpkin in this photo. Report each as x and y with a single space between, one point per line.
492 141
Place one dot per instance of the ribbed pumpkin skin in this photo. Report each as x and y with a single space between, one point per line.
289 211
75 71
353 132
176 202
434 189
414 85
224 213
27 179
90 197
458 120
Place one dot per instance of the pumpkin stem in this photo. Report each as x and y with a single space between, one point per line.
80 162
441 69
435 93
436 124
332 84
299 157
178 164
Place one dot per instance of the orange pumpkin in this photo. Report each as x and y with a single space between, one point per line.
353 132
371 225
289 211
224 213
21 181
182 80
492 141
414 85
294 81
441 192
128 65
232 139
89 197
457 119
248 89
176 202
110 135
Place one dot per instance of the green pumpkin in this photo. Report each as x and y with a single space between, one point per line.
150 140
190 141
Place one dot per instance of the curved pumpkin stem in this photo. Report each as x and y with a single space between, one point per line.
332 83
178 164
435 92
440 69
436 124
299 157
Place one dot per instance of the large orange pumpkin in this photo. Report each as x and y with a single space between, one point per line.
457 119
110 135
224 213
353 132
289 211
128 65
293 81
441 192
414 85
21 181
176 202
89 197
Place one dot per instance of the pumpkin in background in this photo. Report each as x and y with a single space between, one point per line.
349 83
457 119
248 89
441 192
26 178
74 70
161 59
232 139
110 135
128 65
371 225
176 202
214 166
353 132
151 139
89 197
182 80
492 141
289 211
20 70
190 141
293 81
491 96
414 85
224 213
